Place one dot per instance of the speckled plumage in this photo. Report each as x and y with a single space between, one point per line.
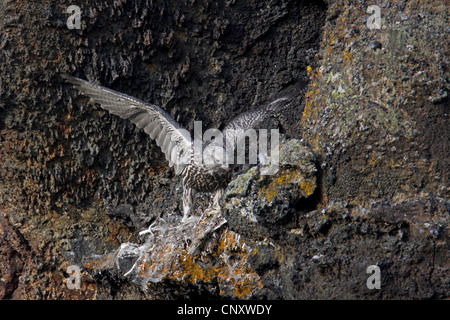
198 175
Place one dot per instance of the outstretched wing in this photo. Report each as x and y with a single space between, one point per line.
250 119
174 140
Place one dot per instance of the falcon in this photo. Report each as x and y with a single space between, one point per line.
204 166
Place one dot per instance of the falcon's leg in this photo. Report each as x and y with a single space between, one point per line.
188 202
215 208
219 193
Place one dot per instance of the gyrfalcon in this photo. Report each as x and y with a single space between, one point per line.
204 168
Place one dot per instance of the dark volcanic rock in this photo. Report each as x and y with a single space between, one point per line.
365 177
333 248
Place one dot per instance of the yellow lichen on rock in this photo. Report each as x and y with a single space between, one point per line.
226 264
283 180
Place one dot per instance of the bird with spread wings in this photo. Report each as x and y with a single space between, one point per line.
203 169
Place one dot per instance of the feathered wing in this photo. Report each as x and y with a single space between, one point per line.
174 140
250 119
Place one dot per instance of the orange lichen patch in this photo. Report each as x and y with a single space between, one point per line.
99 263
200 252
284 178
116 231
347 56
195 272
310 112
227 265
309 71
156 169
308 187
271 190
143 269
65 129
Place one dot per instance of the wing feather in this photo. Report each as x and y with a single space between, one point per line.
161 136
155 130
165 145
174 154
250 119
169 135
168 152
150 127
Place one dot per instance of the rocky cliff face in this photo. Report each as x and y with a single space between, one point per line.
364 154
